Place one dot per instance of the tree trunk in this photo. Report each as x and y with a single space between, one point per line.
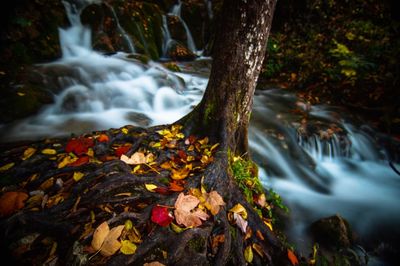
240 47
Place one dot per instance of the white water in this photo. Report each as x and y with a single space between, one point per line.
176 10
122 30
347 174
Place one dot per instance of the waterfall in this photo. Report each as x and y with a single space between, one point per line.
121 30
166 36
176 11
76 40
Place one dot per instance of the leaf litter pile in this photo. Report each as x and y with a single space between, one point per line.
121 196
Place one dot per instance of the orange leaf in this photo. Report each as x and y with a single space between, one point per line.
11 202
180 174
173 186
103 138
292 257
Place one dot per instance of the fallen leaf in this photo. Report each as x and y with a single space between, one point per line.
122 150
173 186
261 200
248 254
180 173
78 176
150 187
240 222
11 202
185 213
125 130
127 247
79 146
153 263
28 153
161 216
258 249
214 202
49 151
6 167
292 257
81 161
99 235
111 243
103 138
66 161
216 241
137 158
186 202
176 228
239 209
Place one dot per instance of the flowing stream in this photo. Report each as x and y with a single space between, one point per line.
319 160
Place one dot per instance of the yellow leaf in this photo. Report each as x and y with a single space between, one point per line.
127 247
99 235
239 209
21 94
6 167
78 176
150 187
248 254
111 244
49 151
128 224
180 174
28 153
176 228
125 130
123 194
67 160
268 223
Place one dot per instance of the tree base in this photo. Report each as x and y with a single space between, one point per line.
74 186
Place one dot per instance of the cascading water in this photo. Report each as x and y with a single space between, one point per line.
313 156
176 11
121 30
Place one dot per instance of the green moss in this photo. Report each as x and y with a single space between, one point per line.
245 173
197 244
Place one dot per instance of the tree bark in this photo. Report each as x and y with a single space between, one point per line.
240 47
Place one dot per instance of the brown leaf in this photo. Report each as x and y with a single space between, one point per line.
153 263
185 213
111 243
11 202
213 202
99 235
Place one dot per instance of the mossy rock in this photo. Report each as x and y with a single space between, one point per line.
332 232
180 52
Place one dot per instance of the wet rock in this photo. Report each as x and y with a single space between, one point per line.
180 52
332 232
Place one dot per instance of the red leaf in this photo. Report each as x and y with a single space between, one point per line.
79 146
81 161
161 216
162 191
122 150
182 154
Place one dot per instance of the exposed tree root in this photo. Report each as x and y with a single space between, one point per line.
111 191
